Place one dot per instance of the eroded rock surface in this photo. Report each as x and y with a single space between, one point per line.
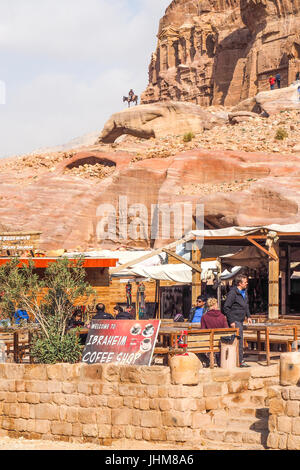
236 188
159 120
223 52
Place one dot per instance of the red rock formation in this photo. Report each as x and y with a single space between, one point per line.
217 52
244 189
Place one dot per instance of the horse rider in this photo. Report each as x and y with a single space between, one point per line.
131 94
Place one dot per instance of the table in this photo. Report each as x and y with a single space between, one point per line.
266 329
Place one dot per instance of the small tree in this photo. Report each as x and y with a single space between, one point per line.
18 288
63 284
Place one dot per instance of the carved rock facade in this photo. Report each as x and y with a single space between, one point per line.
215 52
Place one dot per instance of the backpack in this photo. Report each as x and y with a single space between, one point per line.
178 317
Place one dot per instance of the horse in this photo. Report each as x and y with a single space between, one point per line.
131 99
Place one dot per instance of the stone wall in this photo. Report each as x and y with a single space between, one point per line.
284 420
102 403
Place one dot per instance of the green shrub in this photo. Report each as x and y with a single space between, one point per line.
281 134
188 136
65 282
55 348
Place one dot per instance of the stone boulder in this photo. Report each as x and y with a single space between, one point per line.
282 99
159 120
241 116
185 369
249 104
290 368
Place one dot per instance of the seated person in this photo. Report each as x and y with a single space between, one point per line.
75 320
200 309
21 315
124 314
101 314
213 318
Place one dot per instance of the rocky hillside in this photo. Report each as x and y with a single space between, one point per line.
217 52
245 170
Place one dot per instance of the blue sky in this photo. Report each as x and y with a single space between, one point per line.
67 63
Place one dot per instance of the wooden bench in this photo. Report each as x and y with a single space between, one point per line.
197 341
274 339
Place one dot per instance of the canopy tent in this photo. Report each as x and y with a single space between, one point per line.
249 256
123 256
237 231
179 273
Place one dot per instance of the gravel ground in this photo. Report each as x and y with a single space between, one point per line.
7 443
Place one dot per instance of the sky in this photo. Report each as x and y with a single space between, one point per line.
66 64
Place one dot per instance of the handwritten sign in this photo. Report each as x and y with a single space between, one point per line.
121 341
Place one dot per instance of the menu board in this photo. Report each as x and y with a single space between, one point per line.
124 342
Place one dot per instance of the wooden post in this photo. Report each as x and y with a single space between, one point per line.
137 302
273 311
157 299
283 292
288 280
196 275
219 267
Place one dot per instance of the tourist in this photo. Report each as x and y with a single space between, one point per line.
278 78
236 309
213 318
272 81
75 320
123 314
101 314
21 316
297 76
199 310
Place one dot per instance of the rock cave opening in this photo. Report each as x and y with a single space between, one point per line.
92 160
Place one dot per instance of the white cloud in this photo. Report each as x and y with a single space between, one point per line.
68 63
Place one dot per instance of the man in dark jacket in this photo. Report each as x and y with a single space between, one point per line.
123 314
101 314
199 310
236 309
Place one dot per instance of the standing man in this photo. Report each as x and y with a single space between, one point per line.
278 78
200 309
236 309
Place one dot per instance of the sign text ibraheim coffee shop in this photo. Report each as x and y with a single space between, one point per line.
121 341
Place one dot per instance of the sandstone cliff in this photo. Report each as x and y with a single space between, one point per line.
241 173
216 52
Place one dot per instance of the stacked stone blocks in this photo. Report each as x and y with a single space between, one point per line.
103 403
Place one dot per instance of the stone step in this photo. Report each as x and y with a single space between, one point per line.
255 412
247 422
255 424
237 434
246 401
216 445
